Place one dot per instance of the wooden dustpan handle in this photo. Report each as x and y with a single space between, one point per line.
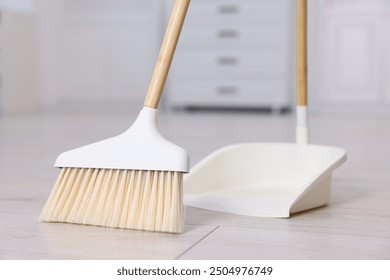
301 16
166 53
302 130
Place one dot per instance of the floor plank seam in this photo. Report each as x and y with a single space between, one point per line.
197 242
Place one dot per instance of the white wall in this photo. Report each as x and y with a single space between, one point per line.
20 63
71 50
101 50
24 6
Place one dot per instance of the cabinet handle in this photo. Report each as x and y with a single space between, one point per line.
228 60
228 9
228 34
227 90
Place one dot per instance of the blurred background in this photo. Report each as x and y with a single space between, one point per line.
73 72
85 54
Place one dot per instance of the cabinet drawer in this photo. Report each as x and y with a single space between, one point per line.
234 11
267 62
229 35
222 92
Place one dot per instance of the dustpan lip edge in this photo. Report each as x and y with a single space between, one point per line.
341 152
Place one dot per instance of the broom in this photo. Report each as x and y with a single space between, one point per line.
131 181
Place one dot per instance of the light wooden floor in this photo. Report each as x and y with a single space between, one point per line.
355 225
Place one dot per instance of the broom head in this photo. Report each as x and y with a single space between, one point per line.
131 181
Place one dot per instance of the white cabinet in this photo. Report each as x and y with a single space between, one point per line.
353 53
234 53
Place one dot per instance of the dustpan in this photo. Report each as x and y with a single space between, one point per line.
269 179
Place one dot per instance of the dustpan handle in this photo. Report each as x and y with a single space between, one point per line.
302 132
301 52
166 53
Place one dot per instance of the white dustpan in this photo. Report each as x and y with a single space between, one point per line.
263 179
268 179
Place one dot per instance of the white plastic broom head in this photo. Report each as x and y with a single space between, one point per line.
141 147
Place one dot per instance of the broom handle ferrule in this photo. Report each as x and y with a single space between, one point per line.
167 51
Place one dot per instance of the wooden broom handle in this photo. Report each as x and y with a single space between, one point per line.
166 53
301 17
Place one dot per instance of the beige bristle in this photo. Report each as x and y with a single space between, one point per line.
129 199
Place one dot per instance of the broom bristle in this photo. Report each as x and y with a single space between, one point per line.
129 199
